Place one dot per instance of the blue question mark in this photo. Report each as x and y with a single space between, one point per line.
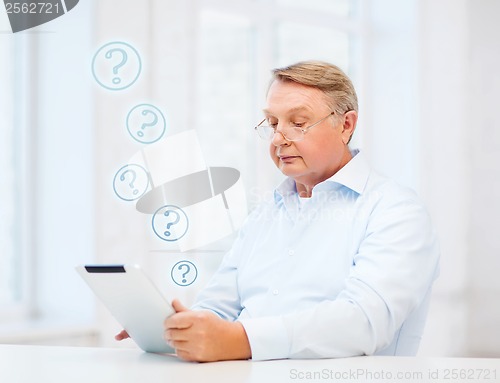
184 280
166 214
147 124
131 183
109 54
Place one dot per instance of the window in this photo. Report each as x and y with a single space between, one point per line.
45 169
13 272
7 194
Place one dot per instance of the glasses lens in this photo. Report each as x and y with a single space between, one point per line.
265 132
293 134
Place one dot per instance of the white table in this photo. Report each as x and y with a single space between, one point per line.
52 364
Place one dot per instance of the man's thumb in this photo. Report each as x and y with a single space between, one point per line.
178 306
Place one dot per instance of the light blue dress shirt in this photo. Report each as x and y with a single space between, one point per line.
346 272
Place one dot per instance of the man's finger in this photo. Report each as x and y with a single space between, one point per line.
122 335
181 320
176 334
185 355
178 306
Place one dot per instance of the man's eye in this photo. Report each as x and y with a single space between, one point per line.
273 124
298 124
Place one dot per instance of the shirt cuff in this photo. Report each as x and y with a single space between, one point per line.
268 337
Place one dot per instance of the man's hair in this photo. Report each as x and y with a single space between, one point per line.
326 77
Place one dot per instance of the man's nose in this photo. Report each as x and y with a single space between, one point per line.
279 138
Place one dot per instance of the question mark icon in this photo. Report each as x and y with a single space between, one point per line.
146 132
184 273
131 183
180 220
124 72
109 54
145 112
170 224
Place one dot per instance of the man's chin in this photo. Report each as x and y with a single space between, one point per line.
289 170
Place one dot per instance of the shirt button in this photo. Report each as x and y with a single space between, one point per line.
291 252
275 292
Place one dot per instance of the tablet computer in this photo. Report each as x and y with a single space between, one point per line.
133 300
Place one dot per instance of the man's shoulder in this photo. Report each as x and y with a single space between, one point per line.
377 180
387 191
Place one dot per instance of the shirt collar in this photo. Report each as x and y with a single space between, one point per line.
353 175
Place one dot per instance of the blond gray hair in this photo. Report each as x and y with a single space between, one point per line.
328 78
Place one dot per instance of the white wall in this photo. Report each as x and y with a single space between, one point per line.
443 64
458 64
483 139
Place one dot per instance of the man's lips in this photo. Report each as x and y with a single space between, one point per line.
286 158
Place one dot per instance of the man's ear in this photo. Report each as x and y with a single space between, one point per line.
350 120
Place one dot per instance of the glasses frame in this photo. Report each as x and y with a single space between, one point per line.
303 130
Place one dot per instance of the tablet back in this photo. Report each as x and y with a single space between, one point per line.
133 300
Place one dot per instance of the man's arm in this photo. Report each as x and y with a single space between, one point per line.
210 331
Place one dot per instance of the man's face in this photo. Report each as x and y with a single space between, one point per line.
322 152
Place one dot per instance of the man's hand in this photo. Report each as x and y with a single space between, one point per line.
204 337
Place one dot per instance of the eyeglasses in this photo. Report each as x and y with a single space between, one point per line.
290 133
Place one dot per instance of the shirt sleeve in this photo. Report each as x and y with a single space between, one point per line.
391 274
221 294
